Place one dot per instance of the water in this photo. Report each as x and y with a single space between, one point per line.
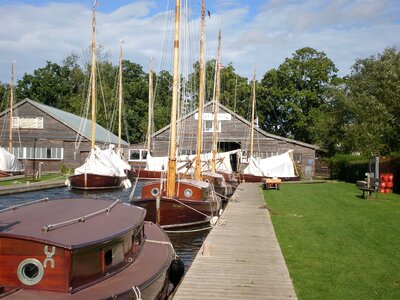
186 244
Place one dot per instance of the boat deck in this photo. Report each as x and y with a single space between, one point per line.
241 257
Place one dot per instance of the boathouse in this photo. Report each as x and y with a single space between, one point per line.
233 133
46 139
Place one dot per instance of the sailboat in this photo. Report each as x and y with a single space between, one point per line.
251 173
177 202
84 249
103 169
9 164
230 180
280 166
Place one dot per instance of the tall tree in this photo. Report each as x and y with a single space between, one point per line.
374 94
289 94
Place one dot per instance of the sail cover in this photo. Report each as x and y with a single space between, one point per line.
275 166
103 162
185 163
8 162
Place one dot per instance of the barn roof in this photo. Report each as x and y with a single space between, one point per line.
76 123
238 117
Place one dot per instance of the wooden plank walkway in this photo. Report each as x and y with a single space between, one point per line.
241 257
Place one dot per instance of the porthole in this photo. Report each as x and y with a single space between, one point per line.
155 192
30 271
188 193
207 180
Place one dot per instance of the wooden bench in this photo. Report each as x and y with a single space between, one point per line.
271 183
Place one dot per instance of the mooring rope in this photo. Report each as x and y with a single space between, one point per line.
189 231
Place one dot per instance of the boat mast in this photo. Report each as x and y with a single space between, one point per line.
252 113
216 106
11 106
171 176
93 73
150 110
201 96
120 97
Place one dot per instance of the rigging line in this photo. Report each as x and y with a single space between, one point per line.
83 120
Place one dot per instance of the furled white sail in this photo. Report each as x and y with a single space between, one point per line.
103 162
8 162
185 163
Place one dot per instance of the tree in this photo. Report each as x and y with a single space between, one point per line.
374 96
289 94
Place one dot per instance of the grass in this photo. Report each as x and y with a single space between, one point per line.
46 177
336 244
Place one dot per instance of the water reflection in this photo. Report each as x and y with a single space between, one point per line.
186 244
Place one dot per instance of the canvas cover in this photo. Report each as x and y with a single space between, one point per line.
8 162
104 162
185 163
275 166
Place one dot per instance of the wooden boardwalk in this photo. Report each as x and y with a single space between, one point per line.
241 257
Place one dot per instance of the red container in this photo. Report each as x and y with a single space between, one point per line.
385 177
383 184
390 177
382 191
389 184
387 191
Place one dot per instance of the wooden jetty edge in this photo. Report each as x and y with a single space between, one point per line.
241 257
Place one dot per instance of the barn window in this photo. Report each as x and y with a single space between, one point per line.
38 153
297 157
137 155
28 123
209 126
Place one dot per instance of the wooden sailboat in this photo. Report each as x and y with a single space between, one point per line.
178 202
83 249
94 175
217 180
245 176
9 164
230 180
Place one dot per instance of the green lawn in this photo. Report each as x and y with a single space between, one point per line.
336 244
46 177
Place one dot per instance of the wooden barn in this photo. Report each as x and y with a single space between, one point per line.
233 133
47 139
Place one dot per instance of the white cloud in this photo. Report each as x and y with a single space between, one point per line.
263 34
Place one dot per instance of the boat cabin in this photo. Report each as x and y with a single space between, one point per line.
67 245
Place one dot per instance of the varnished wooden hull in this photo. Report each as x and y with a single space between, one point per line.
180 211
96 182
249 178
145 269
143 174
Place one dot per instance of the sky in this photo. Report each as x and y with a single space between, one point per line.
255 34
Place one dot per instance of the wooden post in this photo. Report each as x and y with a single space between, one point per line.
252 114
216 106
93 75
197 175
171 176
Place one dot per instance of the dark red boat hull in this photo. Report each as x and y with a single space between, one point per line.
96 182
180 211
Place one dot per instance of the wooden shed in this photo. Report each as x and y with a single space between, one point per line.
46 138
233 133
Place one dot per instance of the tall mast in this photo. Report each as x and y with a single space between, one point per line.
252 113
150 111
171 175
11 107
201 95
216 106
120 97
93 73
